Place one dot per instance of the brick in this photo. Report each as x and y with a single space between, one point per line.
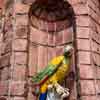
94 4
86 72
6 47
82 21
64 36
51 26
67 35
5 73
3 98
1 4
93 14
8 36
18 98
5 60
87 87
51 53
82 32
98 72
98 86
19 73
95 47
21 31
38 36
95 58
42 57
30 95
80 9
95 37
3 88
58 38
83 57
83 44
33 58
21 20
1 37
73 2
36 22
20 58
18 88
61 25
20 45
88 98
59 51
51 40
28 1
21 8
8 25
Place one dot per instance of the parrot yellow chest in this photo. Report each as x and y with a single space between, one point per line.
61 72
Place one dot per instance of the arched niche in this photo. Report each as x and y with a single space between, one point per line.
52 27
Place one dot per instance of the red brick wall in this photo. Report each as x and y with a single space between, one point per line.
15 51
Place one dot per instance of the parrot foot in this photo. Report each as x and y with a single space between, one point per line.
50 86
64 92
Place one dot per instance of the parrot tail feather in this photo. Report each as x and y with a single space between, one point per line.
43 96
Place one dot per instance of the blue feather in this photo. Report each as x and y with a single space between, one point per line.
43 96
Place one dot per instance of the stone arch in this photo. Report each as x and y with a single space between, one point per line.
51 29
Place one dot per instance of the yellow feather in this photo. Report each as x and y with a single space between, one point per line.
59 75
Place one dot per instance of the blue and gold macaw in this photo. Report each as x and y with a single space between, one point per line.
53 74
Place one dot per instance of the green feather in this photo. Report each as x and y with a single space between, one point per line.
48 71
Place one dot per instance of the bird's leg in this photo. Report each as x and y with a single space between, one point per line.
64 92
50 86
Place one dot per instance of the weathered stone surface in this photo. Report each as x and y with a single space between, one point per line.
19 73
21 20
21 31
88 97
20 58
20 45
5 60
95 59
38 36
18 98
4 74
86 72
18 88
83 57
73 2
95 47
80 9
83 44
42 58
82 21
87 87
98 72
33 58
3 88
82 32
30 95
21 8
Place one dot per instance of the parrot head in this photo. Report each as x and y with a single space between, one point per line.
68 50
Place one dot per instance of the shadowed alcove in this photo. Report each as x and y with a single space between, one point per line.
52 27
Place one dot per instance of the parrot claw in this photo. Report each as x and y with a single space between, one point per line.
64 92
64 95
50 87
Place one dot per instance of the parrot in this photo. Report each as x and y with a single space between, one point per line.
55 72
